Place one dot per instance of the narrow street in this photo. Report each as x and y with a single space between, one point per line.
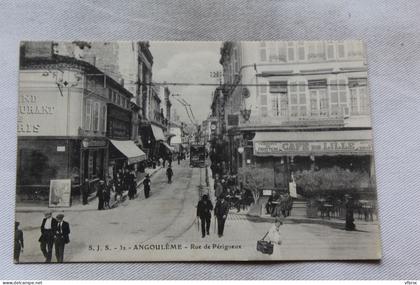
165 215
168 218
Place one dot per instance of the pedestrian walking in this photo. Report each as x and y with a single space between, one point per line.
179 158
169 174
85 189
48 228
289 204
131 185
61 237
118 188
18 248
107 193
170 160
204 209
350 226
100 194
221 211
146 184
126 180
274 235
218 188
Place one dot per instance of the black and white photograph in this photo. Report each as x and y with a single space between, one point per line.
141 151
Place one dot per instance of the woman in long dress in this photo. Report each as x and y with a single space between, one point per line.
275 237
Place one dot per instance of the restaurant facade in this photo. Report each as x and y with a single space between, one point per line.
299 106
69 115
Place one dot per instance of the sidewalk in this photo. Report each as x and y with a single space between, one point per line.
300 219
76 206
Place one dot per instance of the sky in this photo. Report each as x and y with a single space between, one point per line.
187 62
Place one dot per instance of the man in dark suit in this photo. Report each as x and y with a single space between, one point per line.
61 237
146 183
48 228
204 209
221 211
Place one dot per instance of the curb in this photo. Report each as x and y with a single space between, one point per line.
36 209
304 220
292 220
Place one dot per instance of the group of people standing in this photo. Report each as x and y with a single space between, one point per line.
124 180
204 209
54 234
279 205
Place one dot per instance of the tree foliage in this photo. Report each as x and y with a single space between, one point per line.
335 179
255 179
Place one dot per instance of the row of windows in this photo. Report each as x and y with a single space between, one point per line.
95 116
310 51
118 99
315 98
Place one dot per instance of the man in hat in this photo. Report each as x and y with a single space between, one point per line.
204 209
348 201
221 211
100 194
146 184
18 242
218 188
48 228
61 237
169 173
85 189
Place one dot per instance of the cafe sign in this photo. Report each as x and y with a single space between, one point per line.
362 147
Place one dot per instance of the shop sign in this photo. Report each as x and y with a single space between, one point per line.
60 192
89 143
61 148
267 192
37 114
309 148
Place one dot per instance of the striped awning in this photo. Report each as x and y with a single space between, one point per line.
158 133
130 150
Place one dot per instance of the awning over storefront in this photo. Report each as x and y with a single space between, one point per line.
305 143
168 147
158 133
130 150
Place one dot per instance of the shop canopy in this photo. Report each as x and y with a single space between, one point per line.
306 143
158 133
130 150
171 149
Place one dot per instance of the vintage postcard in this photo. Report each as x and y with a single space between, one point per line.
194 151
